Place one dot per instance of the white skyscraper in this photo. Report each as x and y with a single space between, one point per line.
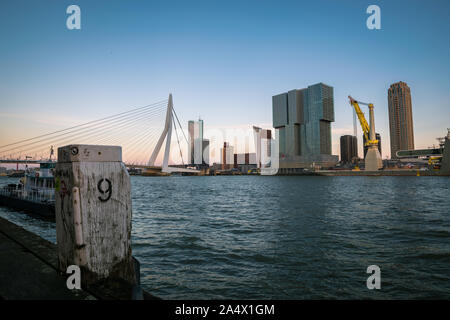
262 139
198 148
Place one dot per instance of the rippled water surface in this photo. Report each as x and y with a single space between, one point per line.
252 237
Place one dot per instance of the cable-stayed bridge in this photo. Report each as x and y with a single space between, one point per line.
140 132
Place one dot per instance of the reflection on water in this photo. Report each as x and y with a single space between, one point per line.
251 237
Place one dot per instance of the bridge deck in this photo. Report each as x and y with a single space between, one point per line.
167 169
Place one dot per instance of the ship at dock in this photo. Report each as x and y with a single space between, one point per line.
35 192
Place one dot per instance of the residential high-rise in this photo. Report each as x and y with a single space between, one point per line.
400 118
378 137
349 148
303 120
198 148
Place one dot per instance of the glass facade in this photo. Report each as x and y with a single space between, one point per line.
197 146
304 119
349 148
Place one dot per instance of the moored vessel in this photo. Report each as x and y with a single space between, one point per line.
34 193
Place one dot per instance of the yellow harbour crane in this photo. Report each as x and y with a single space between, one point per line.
373 160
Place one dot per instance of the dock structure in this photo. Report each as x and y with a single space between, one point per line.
93 212
93 232
29 270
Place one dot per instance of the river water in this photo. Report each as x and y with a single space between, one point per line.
255 237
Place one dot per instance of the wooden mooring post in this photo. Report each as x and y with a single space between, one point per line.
93 213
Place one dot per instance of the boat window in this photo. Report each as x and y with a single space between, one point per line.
48 165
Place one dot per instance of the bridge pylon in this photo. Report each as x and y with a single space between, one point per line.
167 135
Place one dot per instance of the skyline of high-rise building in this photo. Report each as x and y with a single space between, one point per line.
205 151
349 148
227 156
401 128
263 146
198 147
303 119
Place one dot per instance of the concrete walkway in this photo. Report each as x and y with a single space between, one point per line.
29 271
28 267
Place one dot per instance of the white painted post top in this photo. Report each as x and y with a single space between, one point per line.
89 153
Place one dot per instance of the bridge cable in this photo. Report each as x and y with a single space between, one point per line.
89 130
133 148
180 125
178 140
84 124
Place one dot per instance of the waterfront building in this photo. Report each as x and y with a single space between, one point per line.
205 151
378 137
263 147
400 118
244 161
303 120
349 148
227 153
198 147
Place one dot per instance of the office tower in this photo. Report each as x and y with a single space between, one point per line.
198 148
263 139
400 118
303 119
227 153
378 137
349 148
193 132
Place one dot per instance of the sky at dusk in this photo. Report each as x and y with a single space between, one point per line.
222 61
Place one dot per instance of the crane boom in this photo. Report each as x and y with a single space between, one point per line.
372 158
362 120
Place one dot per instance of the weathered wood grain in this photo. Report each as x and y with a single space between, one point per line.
105 209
